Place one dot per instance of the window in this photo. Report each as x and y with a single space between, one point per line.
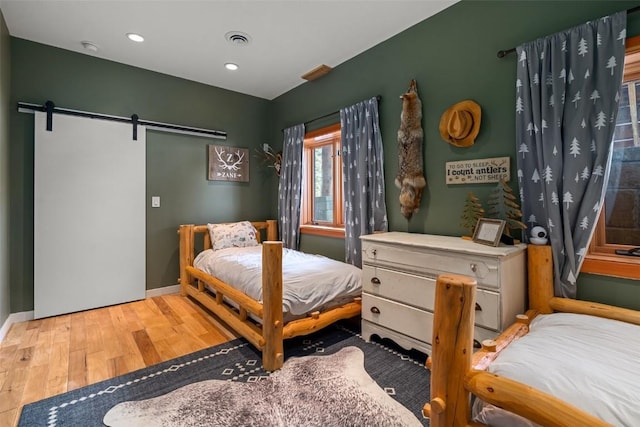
618 227
322 212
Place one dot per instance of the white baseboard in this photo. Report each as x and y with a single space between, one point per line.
23 316
173 289
28 315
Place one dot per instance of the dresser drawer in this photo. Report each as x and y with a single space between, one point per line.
413 290
432 262
488 309
398 317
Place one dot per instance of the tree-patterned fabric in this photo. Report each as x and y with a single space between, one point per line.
365 209
290 187
568 88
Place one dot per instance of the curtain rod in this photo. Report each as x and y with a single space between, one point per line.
503 53
378 97
50 108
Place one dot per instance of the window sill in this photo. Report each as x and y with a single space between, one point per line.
321 230
610 265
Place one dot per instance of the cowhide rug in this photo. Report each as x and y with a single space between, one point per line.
333 390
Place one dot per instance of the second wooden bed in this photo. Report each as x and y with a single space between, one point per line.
261 323
457 373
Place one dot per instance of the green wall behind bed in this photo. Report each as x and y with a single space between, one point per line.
453 57
176 164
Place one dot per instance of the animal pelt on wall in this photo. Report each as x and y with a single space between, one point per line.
410 179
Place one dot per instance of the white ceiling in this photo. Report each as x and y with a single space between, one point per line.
186 38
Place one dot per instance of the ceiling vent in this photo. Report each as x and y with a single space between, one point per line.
92 47
238 38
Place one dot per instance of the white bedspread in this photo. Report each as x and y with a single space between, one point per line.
309 281
590 362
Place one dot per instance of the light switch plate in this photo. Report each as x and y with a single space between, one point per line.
155 201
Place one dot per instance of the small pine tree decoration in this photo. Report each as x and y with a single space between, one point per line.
471 211
502 205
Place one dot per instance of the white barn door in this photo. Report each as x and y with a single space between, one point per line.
89 225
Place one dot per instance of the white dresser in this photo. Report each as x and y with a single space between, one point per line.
399 273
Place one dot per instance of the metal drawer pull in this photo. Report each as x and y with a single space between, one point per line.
375 280
375 310
478 307
474 267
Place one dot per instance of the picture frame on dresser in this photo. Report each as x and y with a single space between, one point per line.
488 231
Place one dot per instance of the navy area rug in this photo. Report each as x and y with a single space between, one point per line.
402 375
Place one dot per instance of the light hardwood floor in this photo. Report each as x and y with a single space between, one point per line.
42 358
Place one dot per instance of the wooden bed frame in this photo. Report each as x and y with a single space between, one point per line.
457 372
267 334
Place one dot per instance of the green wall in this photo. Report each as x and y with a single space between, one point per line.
5 61
176 164
453 57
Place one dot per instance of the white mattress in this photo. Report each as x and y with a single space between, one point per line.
309 281
590 362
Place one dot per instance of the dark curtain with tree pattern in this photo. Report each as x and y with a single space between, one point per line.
568 87
290 187
365 209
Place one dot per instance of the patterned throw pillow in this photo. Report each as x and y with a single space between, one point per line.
236 234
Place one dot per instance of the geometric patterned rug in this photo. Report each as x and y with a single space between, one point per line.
402 375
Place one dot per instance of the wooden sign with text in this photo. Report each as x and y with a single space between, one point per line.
478 171
228 164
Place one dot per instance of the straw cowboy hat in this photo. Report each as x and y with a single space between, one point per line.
460 123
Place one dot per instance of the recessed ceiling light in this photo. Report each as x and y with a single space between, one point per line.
231 66
135 37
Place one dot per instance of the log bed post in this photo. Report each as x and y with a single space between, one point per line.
186 256
540 272
273 351
272 229
452 347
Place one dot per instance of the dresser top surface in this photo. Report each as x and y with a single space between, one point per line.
451 243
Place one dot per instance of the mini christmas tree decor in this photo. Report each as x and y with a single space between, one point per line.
471 211
502 205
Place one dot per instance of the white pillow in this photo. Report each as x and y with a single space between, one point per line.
236 234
